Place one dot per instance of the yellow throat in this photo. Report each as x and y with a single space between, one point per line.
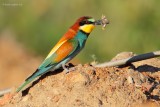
87 28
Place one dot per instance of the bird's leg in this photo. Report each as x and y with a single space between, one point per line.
66 69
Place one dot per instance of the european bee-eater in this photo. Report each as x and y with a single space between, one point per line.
68 47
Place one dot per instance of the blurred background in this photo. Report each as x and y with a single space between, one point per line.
30 28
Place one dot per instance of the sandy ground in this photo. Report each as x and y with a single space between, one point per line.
137 85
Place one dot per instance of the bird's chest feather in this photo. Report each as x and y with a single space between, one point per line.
81 37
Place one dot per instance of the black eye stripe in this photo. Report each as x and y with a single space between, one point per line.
85 22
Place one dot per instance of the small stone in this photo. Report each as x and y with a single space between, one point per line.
26 97
130 80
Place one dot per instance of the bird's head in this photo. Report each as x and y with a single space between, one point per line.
85 24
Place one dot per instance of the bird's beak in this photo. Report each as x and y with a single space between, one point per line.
101 22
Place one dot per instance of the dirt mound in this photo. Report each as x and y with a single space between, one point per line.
87 86
136 85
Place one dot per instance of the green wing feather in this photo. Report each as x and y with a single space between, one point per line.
48 64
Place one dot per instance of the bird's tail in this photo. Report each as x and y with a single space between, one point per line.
24 84
37 73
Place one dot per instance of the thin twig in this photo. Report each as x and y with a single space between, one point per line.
2 92
130 60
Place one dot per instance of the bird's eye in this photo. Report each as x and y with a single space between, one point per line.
82 23
86 22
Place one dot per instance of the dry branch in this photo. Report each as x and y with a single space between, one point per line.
130 60
2 92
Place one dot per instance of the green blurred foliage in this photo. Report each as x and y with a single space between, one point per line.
39 24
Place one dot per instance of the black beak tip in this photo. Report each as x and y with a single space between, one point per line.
101 22
98 22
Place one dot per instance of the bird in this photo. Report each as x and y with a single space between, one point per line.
71 43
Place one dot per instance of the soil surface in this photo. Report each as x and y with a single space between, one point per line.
136 85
